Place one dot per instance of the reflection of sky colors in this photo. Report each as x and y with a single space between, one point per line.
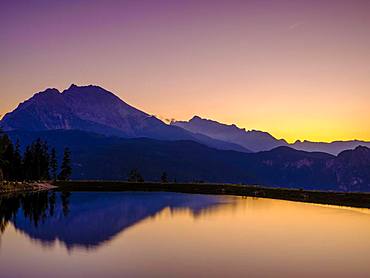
245 238
299 69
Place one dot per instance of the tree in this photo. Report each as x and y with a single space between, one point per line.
36 161
66 169
6 156
164 178
135 176
53 164
17 170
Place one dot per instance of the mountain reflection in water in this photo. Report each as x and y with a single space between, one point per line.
87 220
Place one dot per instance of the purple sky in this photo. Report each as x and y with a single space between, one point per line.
298 69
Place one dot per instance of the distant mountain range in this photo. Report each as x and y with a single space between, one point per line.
256 140
94 109
253 140
108 138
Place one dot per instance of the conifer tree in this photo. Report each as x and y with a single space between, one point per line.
17 170
135 176
6 153
66 169
36 161
164 178
53 164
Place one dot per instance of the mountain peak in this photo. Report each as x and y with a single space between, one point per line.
48 92
195 118
85 88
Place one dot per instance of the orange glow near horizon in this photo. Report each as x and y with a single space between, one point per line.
297 70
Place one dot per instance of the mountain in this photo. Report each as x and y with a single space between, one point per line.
252 139
94 109
352 169
99 157
335 147
258 140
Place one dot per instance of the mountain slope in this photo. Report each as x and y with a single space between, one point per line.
111 158
352 169
94 109
252 139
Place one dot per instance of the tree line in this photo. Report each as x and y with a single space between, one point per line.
36 163
135 176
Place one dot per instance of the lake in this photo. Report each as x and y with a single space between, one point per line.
161 234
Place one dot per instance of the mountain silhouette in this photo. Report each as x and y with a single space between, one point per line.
251 139
256 140
94 109
334 147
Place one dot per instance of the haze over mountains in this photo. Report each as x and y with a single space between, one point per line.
252 139
256 140
94 109
108 138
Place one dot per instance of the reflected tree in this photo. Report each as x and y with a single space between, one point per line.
36 207
65 202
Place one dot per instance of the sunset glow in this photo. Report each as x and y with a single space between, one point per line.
297 69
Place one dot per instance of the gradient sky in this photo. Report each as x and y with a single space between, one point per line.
298 69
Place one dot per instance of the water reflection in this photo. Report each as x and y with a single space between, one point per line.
179 235
86 220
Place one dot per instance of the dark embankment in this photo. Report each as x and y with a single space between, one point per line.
14 187
360 200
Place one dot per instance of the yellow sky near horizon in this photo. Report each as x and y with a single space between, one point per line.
296 69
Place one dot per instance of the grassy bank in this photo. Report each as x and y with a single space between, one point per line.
360 200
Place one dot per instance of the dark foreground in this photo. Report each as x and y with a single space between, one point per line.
360 200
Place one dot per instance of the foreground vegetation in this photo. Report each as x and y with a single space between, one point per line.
361 200
23 171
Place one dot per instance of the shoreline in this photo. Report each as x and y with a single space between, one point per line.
9 187
358 200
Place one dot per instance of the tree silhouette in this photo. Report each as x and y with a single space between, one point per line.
66 169
36 161
65 202
53 164
135 176
17 167
164 178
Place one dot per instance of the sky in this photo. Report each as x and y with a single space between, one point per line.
297 69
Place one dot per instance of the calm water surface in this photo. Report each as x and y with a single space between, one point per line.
134 234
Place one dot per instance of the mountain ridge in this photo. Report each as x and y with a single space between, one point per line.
94 109
256 140
252 139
